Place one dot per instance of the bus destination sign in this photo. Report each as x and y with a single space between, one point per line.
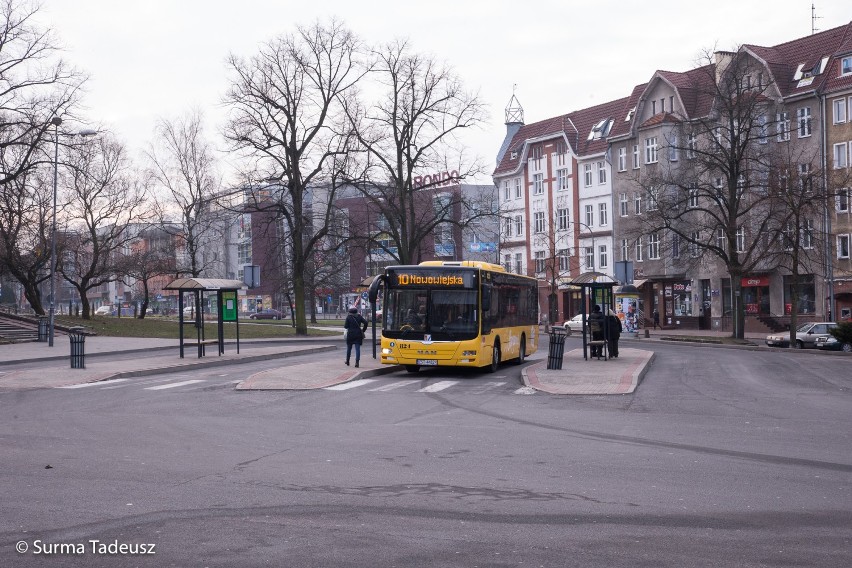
434 278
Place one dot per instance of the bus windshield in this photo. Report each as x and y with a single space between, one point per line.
444 314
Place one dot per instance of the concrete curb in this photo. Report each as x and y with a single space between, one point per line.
254 382
625 381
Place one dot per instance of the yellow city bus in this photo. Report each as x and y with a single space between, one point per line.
456 314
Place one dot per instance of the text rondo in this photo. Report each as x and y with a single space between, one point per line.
442 179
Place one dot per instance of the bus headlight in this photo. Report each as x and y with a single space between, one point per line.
468 353
386 351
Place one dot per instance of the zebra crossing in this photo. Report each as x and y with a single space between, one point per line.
178 383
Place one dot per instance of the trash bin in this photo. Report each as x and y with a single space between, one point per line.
557 348
78 347
43 326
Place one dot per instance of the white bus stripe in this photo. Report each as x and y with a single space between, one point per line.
173 385
439 386
351 385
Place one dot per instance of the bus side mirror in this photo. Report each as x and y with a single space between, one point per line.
486 298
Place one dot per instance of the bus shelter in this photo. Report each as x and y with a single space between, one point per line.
199 291
595 289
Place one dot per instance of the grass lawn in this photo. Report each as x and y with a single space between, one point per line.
168 328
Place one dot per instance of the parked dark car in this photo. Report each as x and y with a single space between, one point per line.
267 315
833 344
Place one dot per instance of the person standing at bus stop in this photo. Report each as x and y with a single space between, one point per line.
356 327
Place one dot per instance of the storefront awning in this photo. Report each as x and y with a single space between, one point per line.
638 283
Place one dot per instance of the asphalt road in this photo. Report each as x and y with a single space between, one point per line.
721 458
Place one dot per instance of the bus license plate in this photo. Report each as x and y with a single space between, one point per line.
432 362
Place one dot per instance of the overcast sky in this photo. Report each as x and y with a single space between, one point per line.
158 58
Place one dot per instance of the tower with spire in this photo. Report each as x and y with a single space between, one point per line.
514 122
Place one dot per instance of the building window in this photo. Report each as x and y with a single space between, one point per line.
654 246
691 146
840 156
636 156
590 257
590 215
625 249
507 191
622 159
692 196
846 65
518 193
538 220
622 204
842 246
603 257
519 226
637 203
839 110
763 135
587 175
805 177
601 173
653 196
243 254
603 215
741 239
782 126
804 119
538 185
808 234
651 150
721 239
507 262
694 249
674 151
519 263
788 236
535 157
841 201
507 227
562 179
563 255
640 252
562 219
675 238
539 261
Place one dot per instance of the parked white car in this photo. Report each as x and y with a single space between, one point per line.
806 335
574 325
103 311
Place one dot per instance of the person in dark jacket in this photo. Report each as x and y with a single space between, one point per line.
596 326
657 320
356 327
613 328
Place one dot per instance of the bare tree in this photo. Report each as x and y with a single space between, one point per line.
151 256
284 107
35 85
104 198
182 163
409 143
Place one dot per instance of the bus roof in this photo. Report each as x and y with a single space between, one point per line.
465 263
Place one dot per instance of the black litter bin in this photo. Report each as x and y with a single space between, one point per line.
78 347
43 326
557 348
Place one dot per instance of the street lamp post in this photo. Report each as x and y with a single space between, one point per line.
55 121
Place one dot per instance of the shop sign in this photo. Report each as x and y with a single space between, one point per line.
751 281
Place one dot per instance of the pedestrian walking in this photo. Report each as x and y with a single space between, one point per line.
596 326
356 327
657 320
613 329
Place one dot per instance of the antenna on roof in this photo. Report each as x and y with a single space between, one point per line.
814 18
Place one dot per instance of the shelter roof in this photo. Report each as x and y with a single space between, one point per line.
205 284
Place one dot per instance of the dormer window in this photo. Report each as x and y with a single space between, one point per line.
629 114
846 65
601 129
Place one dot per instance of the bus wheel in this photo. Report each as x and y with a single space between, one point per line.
522 355
412 368
495 358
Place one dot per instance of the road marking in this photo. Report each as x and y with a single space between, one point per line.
393 386
439 386
525 390
351 385
173 385
96 384
487 386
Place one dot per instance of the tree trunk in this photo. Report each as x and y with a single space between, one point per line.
32 295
